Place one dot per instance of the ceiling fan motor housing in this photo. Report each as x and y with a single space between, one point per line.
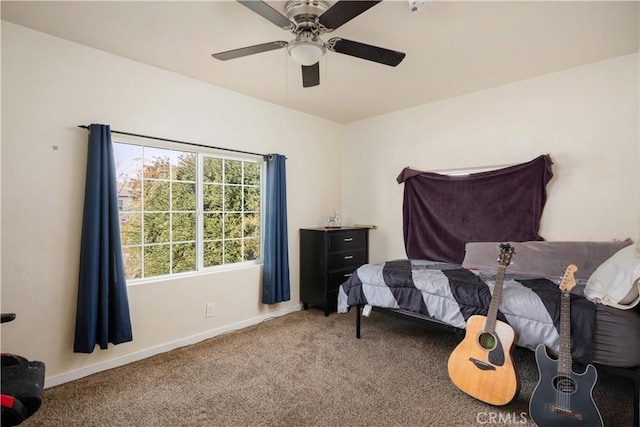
305 14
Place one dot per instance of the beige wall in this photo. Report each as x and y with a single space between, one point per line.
586 118
49 86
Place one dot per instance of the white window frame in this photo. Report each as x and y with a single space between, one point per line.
201 153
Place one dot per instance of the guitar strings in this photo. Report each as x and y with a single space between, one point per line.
563 397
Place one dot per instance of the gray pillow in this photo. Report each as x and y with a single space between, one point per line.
544 259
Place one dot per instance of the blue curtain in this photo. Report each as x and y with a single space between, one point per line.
275 274
102 314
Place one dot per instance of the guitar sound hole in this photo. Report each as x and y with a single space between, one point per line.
487 341
564 385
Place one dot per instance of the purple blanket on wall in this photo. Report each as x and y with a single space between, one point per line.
441 213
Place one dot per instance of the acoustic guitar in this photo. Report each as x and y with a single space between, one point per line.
482 364
562 397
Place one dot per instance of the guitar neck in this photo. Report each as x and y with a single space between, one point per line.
564 357
492 314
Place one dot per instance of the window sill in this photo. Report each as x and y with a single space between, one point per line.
204 272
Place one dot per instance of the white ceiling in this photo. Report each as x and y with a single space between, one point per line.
452 47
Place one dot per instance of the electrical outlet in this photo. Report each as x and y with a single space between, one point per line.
211 309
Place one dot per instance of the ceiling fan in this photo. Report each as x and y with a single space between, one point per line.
308 20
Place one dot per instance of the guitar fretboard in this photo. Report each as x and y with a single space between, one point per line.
564 357
492 313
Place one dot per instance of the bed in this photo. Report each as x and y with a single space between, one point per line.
605 315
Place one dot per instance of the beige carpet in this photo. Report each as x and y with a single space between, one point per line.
303 369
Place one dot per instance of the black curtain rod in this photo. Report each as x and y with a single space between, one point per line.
180 142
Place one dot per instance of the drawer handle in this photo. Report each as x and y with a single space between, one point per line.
349 257
348 239
348 274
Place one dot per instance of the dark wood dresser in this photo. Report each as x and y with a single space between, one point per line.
328 256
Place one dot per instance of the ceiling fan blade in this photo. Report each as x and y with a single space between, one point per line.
365 51
249 50
344 11
268 13
311 75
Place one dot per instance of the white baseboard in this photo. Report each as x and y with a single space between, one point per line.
143 354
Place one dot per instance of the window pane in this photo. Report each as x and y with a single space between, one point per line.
232 172
232 226
252 174
232 198
212 197
184 257
183 227
132 257
252 225
252 199
130 192
128 161
156 163
251 249
212 253
212 226
183 196
232 251
156 228
156 260
156 195
183 166
131 228
212 170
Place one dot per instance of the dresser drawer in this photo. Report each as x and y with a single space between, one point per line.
347 240
337 278
341 260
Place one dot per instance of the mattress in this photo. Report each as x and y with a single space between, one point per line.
616 337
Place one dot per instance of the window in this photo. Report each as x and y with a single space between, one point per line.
185 211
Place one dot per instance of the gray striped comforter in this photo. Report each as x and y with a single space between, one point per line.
451 294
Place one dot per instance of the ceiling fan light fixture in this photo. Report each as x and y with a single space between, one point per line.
306 52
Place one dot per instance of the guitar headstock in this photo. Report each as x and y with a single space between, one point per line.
568 281
506 253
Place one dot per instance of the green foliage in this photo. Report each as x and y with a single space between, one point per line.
184 166
212 198
252 174
232 172
184 257
252 199
212 170
132 256
158 224
183 196
156 260
212 226
232 198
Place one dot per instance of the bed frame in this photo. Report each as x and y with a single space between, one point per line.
632 373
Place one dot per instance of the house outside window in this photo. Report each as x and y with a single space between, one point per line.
185 211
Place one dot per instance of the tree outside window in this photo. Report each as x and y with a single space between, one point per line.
160 193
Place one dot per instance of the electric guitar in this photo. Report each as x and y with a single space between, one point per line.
482 364
562 397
